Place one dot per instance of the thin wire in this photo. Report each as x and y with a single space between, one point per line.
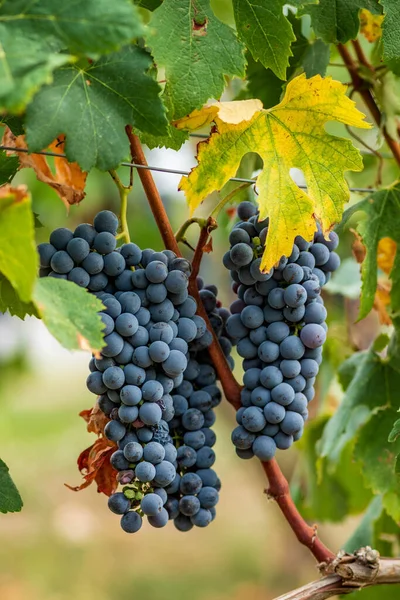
172 171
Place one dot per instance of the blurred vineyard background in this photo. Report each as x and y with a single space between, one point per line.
68 545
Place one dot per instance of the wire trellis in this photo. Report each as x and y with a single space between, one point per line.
171 171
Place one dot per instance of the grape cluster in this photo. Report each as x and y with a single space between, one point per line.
156 345
278 322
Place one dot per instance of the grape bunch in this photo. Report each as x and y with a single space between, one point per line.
156 345
278 322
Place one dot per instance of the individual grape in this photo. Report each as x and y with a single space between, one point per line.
133 452
131 522
183 523
283 441
159 520
106 220
295 295
238 236
186 456
294 315
151 504
241 254
114 378
192 419
131 253
114 344
164 311
246 210
150 413
194 439
156 271
315 313
208 299
270 430
292 423
292 348
86 232
313 288
114 264
313 335
283 394
309 368
333 263
298 383
306 259
112 307
251 378
202 518
46 252
253 419
114 431
181 264
134 375
320 253
252 317
105 404
274 413
260 396
61 262
154 452
145 471
118 461
264 447
208 497
152 391
175 364
113 395
104 242
205 458
60 237
189 505
290 368
276 298
126 324
277 332
94 383
141 337
78 249
98 282
156 293
159 351
271 315
79 276
246 349
176 281
125 356
268 351
145 435
270 377
299 403
165 473
118 503
242 439
141 357
128 414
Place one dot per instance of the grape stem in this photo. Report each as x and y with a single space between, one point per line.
209 225
180 234
123 194
227 199
279 487
362 87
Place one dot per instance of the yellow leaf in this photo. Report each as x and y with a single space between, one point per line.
288 135
386 254
230 112
371 25
382 302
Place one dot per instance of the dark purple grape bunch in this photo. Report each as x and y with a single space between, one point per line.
193 495
278 322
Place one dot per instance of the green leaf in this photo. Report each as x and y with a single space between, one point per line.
18 256
14 122
364 534
267 33
382 220
379 592
378 458
391 34
316 59
395 433
8 167
174 138
372 384
70 313
338 20
32 36
93 105
149 4
10 499
11 302
329 494
197 51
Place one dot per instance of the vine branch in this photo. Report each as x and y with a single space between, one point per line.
349 573
362 88
279 487
209 226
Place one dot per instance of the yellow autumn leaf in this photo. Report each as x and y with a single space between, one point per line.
371 25
291 134
386 254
